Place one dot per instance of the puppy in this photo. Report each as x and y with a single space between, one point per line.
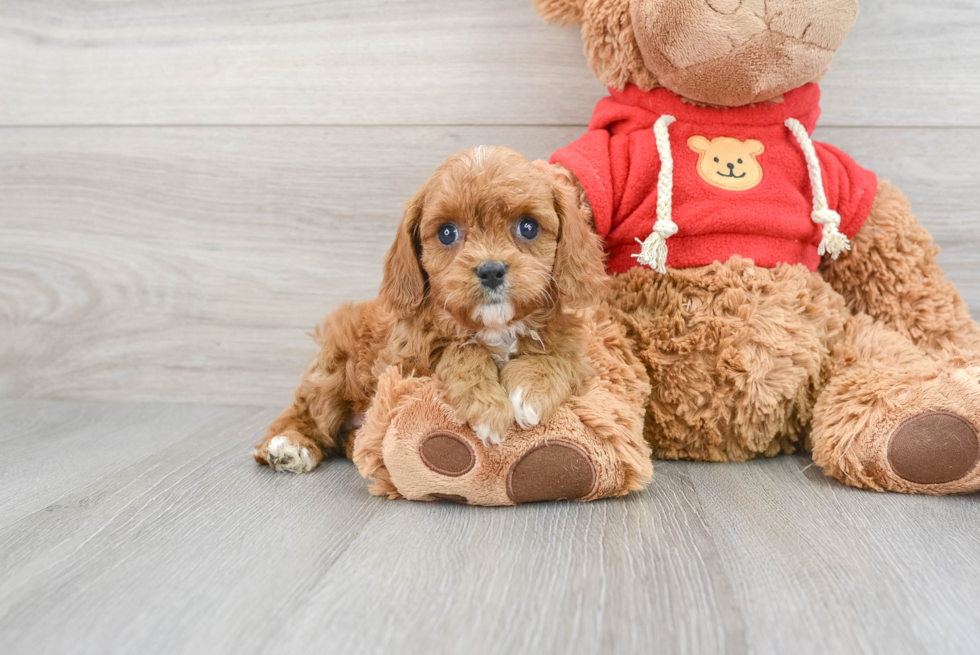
481 288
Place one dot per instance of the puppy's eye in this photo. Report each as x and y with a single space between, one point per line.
528 228
448 234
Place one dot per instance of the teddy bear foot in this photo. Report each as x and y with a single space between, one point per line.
552 470
451 463
411 446
935 447
922 438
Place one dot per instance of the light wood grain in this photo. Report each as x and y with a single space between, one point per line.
195 549
855 571
425 62
187 264
50 450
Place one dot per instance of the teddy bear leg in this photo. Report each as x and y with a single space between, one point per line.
411 446
891 274
895 418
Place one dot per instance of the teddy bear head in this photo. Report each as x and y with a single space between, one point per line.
717 52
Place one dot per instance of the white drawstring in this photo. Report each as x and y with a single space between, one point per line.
834 241
653 251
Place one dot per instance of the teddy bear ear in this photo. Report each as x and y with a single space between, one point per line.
755 147
563 12
611 47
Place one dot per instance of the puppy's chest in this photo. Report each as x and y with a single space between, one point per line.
503 344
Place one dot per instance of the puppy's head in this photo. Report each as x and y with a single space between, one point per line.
490 239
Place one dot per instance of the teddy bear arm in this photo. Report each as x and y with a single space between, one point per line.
891 273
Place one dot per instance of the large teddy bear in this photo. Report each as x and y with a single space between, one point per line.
767 291
771 286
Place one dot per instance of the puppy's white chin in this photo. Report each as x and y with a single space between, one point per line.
495 315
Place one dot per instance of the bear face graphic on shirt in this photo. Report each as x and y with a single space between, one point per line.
728 163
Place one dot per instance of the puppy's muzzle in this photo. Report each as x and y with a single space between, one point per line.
491 274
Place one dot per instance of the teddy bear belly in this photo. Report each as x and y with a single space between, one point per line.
734 353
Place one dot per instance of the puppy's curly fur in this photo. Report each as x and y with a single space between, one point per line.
504 352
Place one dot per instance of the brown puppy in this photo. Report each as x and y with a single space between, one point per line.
480 289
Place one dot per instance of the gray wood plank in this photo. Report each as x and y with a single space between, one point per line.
182 552
427 62
854 571
50 449
186 264
195 549
637 575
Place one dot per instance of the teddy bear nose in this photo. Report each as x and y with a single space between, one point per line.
491 274
731 166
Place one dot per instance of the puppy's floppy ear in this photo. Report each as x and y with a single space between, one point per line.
579 270
403 285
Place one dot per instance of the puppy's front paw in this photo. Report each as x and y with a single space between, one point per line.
534 395
284 455
487 435
526 413
491 418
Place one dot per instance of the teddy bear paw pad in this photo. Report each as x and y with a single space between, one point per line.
447 453
553 470
934 447
451 498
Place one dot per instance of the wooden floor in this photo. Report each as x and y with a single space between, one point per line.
186 188
144 528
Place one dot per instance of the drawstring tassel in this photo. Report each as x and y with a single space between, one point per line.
653 251
834 242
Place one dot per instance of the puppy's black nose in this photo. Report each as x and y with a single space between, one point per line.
491 274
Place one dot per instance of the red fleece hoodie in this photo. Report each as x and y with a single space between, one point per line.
741 185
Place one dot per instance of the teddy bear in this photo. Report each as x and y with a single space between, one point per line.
767 294
779 295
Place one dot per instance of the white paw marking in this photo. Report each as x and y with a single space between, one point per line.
526 414
284 455
486 435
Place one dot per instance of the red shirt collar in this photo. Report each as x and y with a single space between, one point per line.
802 104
